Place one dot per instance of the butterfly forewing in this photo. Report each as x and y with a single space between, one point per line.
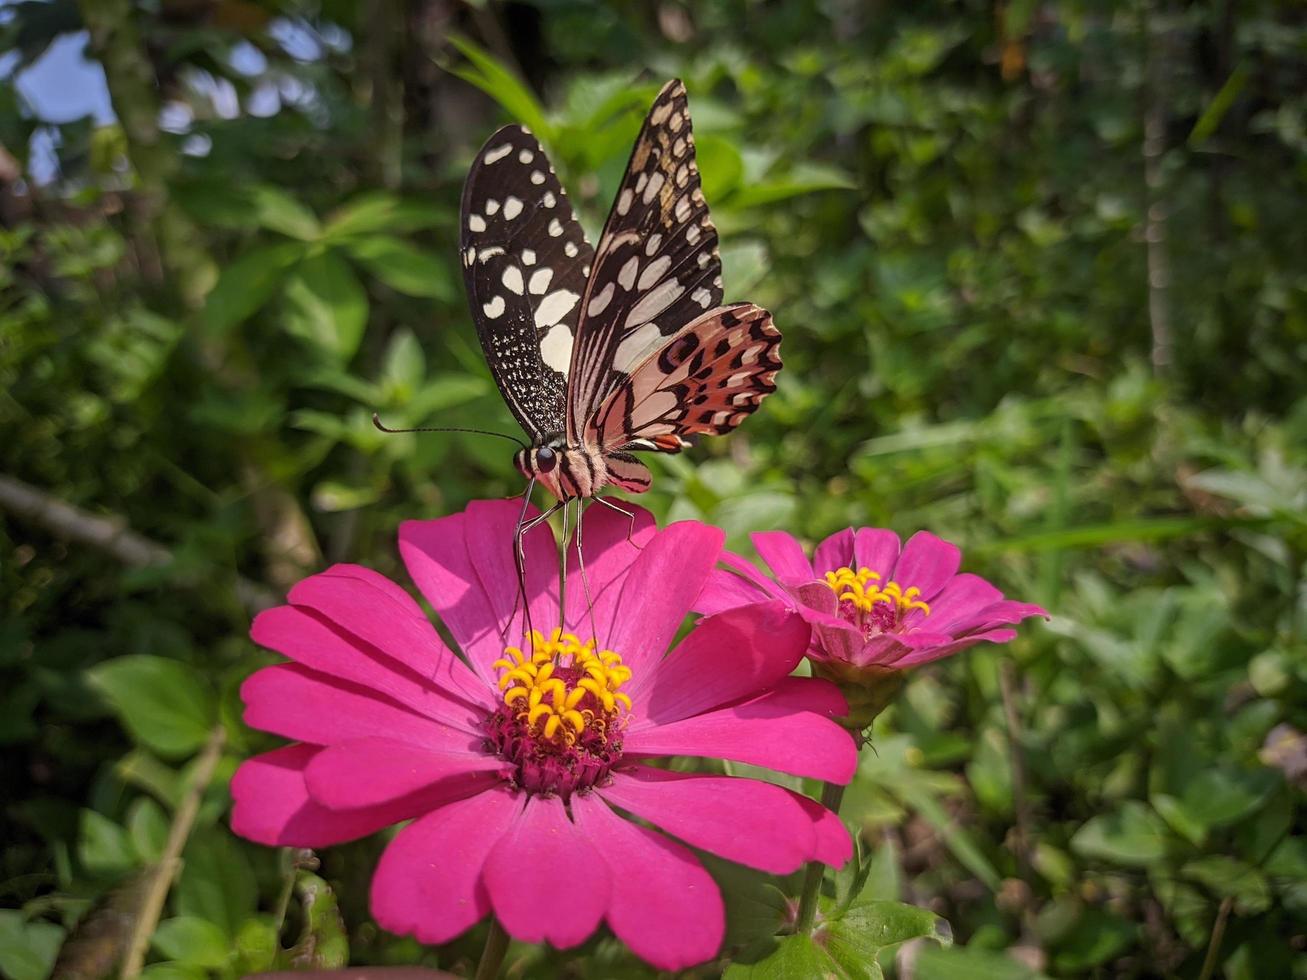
525 260
656 267
704 381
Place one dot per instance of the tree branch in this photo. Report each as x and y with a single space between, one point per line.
109 534
147 917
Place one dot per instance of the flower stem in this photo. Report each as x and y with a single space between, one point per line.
492 956
831 794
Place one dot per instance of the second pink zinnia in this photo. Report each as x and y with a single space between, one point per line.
518 770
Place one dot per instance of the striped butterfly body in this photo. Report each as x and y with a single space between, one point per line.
602 352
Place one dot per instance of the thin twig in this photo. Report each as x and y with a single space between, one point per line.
1218 933
109 534
1157 43
147 917
1017 760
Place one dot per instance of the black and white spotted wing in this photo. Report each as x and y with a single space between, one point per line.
525 262
656 268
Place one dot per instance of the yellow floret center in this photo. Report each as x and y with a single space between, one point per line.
563 688
863 590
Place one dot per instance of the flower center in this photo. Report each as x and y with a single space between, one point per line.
562 717
870 605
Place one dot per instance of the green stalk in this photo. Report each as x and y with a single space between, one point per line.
492 956
831 795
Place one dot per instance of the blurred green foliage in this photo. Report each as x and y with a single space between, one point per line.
1040 273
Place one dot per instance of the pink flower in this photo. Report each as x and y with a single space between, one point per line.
872 604
519 772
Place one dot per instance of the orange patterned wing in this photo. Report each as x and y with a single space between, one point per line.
705 380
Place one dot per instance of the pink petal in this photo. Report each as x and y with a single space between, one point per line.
928 563
610 542
658 593
930 654
440 560
832 843
959 600
546 881
834 553
428 882
301 704
877 549
489 534
839 642
754 823
735 654
371 771
756 733
271 805
311 641
663 904
738 583
783 556
807 694
370 606
1002 613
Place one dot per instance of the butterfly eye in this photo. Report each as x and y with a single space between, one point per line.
546 459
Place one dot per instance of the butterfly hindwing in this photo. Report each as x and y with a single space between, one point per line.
704 381
656 267
525 260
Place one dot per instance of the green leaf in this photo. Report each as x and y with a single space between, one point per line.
969 963
792 958
256 945
336 496
861 933
1225 97
403 267
1228 877
217 882
1132 836
147 826
1212 797
103 847
445 392
276 210
882 924
326 306
27 949
192 941
720 166
755 908
161 703
803 179
245 285
404 365
489 75
1095 938
378 211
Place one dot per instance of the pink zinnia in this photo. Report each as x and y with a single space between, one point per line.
519 773
872 604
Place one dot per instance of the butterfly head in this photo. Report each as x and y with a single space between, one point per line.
565 471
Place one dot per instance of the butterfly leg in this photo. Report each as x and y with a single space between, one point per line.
562 569
630 520
525 527
580 564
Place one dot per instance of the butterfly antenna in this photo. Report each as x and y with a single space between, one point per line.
376 420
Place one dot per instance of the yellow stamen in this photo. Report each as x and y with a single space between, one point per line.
565 687
862 589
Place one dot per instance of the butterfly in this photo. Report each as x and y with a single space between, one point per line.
602 352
